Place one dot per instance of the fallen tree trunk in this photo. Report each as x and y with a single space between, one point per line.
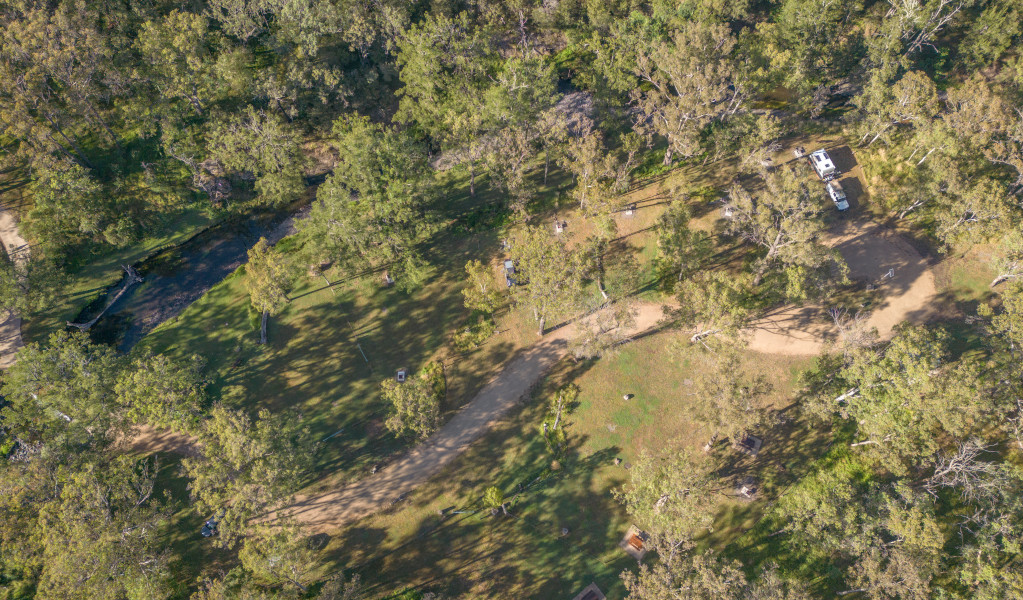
132 279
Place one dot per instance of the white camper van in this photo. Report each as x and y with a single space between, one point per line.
823 165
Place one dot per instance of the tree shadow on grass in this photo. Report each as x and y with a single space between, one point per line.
525 553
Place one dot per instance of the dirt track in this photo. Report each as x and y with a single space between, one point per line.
871 252
325 512
10 328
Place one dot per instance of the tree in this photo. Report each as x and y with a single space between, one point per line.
62 394
446 65
713 303
372 209
245 467
260 143
681 251
268 280
493 498
415 403
785 220
550 276
179 58
691 84
339 588
559 406
101 535
479 293
730 403
705 577
670 494
160 391
602 332
28 283
1009 264
280 554
913 100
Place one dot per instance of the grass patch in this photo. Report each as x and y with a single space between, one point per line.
102 268
525 555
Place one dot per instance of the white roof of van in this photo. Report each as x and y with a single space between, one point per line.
822 160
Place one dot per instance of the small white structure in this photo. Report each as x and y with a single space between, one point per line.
823 165
630 210
401 375
747 488
559 226
838 195
799 151
388 280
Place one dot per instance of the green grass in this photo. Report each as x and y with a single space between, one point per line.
103 268
525 555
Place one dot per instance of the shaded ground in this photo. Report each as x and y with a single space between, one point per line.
328 511
876 256
148 440
872 252
17 249
185 275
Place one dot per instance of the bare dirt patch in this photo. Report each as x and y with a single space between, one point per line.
328 511
10 328
148 440
872 253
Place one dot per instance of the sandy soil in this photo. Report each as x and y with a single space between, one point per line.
150 439
871 252
328 511
10 328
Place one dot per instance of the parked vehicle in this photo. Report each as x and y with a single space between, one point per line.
823 165
838 195
509 271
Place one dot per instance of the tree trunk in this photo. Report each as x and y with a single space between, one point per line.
600 272
543 321
132 278
262 328
759 276
472 178
99 119
546 164
1001 278
667 157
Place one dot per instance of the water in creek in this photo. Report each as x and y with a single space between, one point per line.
177 277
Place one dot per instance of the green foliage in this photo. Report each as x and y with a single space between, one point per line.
416 403
549 276
264 146
681 250
670 495
480 291
559 406
245 466
481 328
268 278
373 207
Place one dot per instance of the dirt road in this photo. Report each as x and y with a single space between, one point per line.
328 511
17 249
872 253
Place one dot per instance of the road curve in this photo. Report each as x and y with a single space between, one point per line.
330 510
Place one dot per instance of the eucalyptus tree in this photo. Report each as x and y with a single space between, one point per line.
785 220
374 208
689 82
549 275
